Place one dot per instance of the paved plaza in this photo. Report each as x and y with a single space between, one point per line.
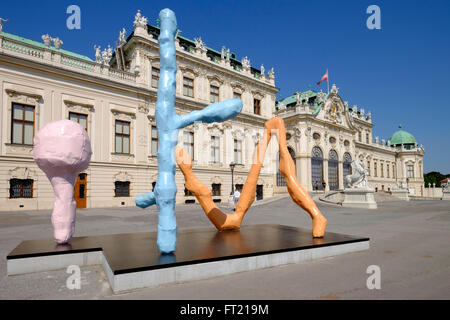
409 242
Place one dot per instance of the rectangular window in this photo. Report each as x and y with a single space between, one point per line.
237 151
387 171
410 171
155 77
216 189
188 87
359 136
188 143
20 188
154 141
257 106
393 171
367 137
215 149
79 118
368 167
122 136
375 169
188 193
122 188
22 124
236 95
213 94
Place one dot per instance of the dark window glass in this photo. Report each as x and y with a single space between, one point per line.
122 188
216 189
21 188
257 106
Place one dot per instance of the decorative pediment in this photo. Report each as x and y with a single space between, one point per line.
240 180
238 134
215 80
258 95
144 108
80 107
216 180
121 114
189 72
215 129
23 96
336 111
123 176
237 87
22 173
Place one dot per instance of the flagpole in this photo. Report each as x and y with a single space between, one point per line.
328 82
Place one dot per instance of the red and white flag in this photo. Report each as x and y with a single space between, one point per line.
324 78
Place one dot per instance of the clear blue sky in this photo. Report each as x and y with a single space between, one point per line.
401 73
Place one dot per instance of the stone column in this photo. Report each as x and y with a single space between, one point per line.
341 175
325 174
303 174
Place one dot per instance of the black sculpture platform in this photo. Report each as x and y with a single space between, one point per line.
136 255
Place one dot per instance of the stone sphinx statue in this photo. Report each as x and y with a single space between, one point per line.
358 178
446 186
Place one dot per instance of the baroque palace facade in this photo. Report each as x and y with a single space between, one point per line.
114 98
324 135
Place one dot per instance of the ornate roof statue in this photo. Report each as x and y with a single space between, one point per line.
106 55
139 20
334 89
47 40
271 74
223 53
245 63
122 37
199 44
262 70
298 97
1 23
98 54
57 42
320 97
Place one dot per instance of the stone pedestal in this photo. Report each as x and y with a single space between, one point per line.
131 261
402 194
359 198
446 195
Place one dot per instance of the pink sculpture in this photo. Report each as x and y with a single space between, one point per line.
62 150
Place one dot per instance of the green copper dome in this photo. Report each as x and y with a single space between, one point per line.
402 137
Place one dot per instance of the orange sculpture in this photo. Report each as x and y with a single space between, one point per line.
225 221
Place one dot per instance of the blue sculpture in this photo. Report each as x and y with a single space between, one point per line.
168 124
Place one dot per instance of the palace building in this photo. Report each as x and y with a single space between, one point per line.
113 97
325 134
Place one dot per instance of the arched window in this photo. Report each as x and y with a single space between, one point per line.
346 165
333 170
317 168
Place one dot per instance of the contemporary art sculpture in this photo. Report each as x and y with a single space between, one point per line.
224 221
62 150
168 124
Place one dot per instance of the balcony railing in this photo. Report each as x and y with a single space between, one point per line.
57 58
21 48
